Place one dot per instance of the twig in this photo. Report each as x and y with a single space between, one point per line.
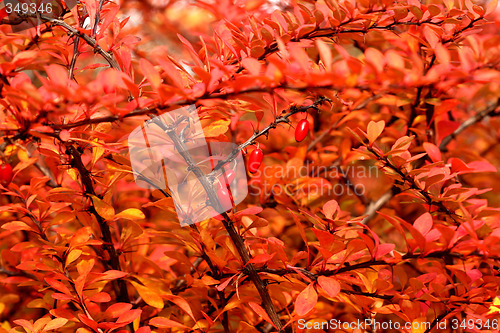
88 39
97 18
490 111
114 261
265 131
374 206
154 109
73 59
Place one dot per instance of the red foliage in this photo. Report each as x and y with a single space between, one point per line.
388 212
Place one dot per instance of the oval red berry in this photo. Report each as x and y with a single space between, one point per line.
224 198
5 174
255 160
229 176
301 130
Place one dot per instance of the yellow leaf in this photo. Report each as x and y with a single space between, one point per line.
73 255
216 128
149 296
40 323
130 214
494 308
102 208
55 324
73 174
97 152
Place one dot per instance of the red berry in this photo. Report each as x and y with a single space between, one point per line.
255 160
5 174
301 130
224 198
228 176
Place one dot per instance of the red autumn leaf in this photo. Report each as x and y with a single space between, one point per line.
306 301
54 324
151 73
261 258
423 223
330 208
383 249
261 312
162 322
433 151
87 321
330 285
58 285
117 309
101 297
129 316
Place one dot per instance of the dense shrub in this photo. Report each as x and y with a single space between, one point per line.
387 208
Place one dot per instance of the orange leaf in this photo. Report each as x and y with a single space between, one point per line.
374 130
162 322
105 210
130 214
149 296
16 226
330 208
150 73
216 128
110 275
101 297
433 151
261 312
182 303
129 316
55 324
117 309
306 301
330 285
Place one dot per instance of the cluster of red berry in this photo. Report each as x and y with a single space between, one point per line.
254 161
256 156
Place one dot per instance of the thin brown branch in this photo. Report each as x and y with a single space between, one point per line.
264 132
374 206
490 111
114 261
371 263
97 18
88 39
73 58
